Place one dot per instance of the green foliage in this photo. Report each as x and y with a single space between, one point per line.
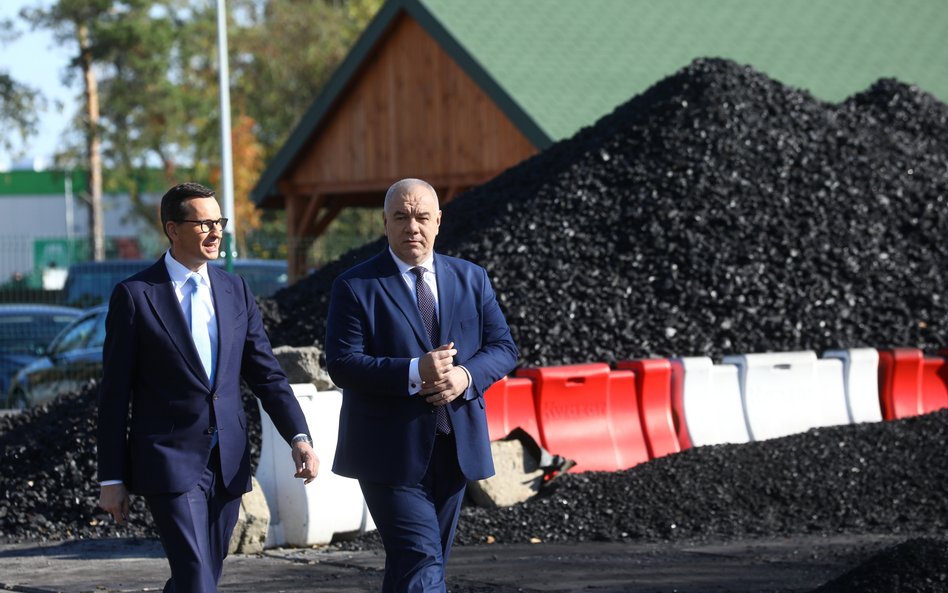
157 68
18 106
283 52
352 228
18 102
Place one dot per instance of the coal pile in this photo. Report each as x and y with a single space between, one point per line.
720 211
48 487
882 478
919 565
885 477
878 478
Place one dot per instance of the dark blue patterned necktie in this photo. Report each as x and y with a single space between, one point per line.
426 306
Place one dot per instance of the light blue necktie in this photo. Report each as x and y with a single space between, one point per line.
200 317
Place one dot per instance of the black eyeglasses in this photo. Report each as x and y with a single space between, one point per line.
207 225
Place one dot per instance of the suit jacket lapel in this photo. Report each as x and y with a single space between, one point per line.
396 288
447 285
225 311
167 310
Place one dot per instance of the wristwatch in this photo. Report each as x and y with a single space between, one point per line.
301 438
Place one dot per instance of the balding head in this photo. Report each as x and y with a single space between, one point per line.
412 218
400 187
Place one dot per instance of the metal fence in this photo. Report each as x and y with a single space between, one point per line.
36 270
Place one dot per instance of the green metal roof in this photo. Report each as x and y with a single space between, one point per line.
554 66
25 182
39 183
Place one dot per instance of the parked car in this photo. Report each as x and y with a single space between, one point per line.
25 331
91 283
72 358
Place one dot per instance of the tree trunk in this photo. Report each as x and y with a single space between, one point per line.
93 145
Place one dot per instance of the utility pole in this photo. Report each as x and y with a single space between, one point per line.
227 166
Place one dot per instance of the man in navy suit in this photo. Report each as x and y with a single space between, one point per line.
414 338
179 338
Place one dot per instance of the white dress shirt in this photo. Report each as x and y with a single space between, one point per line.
429 278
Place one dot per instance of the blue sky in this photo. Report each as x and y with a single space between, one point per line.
34 59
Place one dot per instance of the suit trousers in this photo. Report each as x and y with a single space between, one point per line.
195 529
417 522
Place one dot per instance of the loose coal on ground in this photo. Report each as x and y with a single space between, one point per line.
885 477
879 478
720 211
48 484
918 565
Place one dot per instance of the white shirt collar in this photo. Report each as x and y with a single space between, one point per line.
179 274
404 268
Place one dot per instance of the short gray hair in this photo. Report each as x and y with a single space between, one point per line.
403 185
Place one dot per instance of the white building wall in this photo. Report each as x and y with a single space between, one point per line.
27 218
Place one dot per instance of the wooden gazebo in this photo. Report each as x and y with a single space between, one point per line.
456 91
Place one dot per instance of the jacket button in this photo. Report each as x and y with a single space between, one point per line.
210 430
215 397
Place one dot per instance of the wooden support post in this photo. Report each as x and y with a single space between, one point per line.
296 254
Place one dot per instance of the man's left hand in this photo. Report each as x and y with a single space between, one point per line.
307 464
443 392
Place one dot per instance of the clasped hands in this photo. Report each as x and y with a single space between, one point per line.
441 381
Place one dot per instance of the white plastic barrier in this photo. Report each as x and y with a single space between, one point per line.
711 399
861 379
306 515
790 392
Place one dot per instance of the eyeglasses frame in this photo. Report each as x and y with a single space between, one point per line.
206 225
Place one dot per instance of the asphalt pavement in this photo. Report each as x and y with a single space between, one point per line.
780 565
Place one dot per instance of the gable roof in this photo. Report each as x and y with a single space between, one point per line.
554 66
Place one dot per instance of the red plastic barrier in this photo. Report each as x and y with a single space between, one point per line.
510 405
653 382
678 404
911 383
589 414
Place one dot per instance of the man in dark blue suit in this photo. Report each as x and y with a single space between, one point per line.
179 338
414 338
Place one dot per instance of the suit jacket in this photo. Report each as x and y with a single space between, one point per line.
373 331
152 366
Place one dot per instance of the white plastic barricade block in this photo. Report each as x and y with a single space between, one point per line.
711 398
790 392
861 379
331 504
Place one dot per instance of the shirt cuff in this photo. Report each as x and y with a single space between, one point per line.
414 377
470 383
110 482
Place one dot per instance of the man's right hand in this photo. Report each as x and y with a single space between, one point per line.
114 499
436 365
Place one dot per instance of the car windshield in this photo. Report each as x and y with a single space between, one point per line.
88 285
75 337
28 333
264 280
